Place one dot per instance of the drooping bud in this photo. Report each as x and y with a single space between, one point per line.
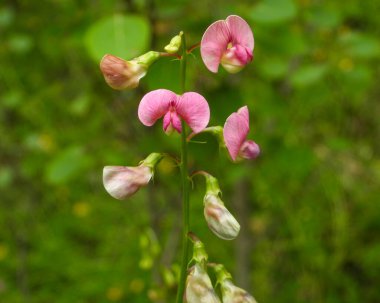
199 287
218 218
230 292
175 44
121 74
121 182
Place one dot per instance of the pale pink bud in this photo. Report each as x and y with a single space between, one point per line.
199 287
229 43
121 74
219 219
121 182
234 294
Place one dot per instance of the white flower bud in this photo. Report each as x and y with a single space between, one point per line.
121 182
199 287
219 219
234 294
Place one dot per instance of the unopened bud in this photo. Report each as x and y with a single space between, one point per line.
121 182
230 292
199 287
121 74
175 44
219 219
234 294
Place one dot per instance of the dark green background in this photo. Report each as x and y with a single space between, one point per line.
308 206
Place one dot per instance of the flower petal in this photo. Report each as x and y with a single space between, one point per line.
193 108
249 150
235 131
214 43
154 105
240 31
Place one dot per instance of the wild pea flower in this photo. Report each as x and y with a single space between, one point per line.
235 133
229 43
121 182
191 107
230 292
220 221
121 74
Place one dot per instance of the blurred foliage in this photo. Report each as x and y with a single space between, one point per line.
313 219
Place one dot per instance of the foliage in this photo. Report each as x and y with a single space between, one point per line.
310 201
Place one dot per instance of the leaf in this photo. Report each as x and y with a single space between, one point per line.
360 46
273 11
125 36
308 75
65 165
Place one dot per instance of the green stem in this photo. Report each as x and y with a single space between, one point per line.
185 187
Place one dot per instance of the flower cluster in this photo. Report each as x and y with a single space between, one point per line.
228 43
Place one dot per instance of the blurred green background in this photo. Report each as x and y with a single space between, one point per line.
308 206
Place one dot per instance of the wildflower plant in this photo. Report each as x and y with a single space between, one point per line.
225 42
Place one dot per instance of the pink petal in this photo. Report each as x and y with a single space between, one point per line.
214 43
171 120
235 131
249 150
193 108
154 105
240 31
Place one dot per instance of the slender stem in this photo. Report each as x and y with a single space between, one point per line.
185 187
191 48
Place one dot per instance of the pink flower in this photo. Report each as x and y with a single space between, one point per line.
235 133
191 107
228 42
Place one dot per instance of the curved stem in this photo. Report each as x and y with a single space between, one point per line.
185 187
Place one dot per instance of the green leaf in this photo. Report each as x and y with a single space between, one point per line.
308 75
125 36
65 165
360 46
273 11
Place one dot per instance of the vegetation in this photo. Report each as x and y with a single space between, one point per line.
309 204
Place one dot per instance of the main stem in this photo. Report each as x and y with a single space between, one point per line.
185 186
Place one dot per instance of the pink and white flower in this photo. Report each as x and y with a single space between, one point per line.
235 134
191 107
229 43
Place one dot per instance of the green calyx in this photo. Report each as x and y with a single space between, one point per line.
212 185
221 273
152 160
148 58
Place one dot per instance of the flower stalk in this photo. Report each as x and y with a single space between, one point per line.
185 184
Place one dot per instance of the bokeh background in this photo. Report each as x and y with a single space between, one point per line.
308 207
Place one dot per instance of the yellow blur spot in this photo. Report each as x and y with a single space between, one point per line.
46 142
114 293
346 64
3 251
166 166
81 209
136 286
153 295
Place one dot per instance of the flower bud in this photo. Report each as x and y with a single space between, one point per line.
121 74
234 294
199 287
121 182
175 44
219 219
230 292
